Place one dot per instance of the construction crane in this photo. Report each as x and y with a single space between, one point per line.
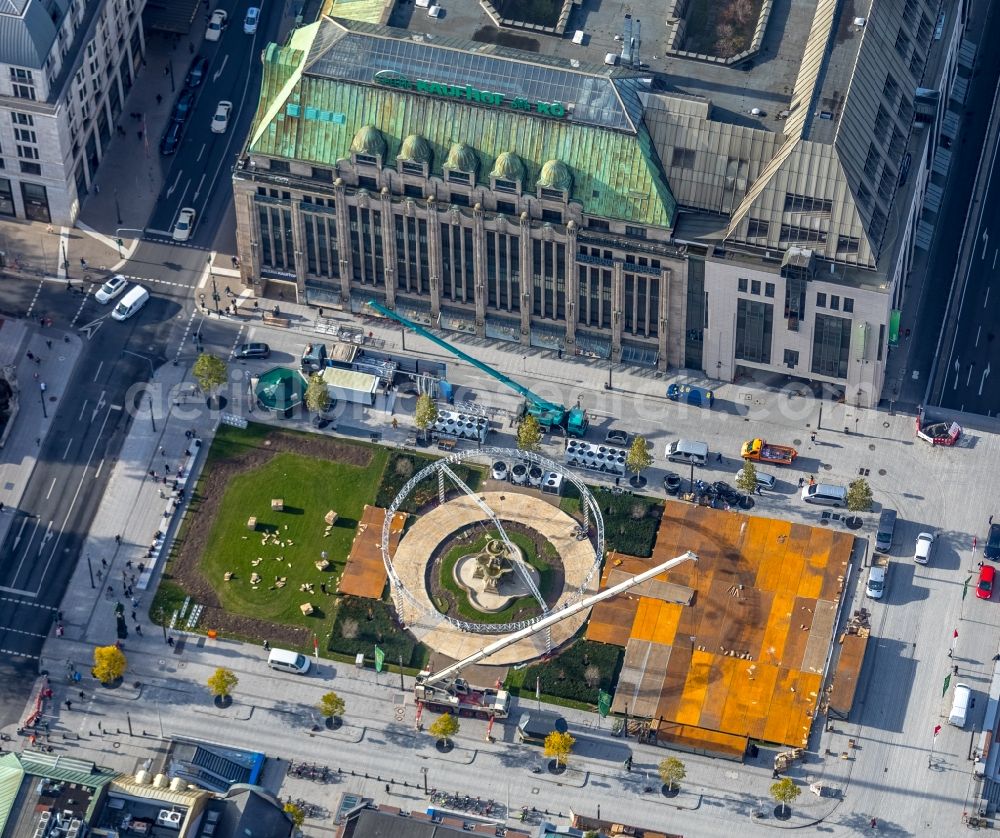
548 414
444 691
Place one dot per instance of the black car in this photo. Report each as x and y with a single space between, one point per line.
196 75
727 492
672 482
253 350
992 548
182 110
172 138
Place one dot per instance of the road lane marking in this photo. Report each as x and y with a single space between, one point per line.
995 252
18 592
987 298
215 76
201 183
982 381
173 186
49 493
978 332
76 494
986 238
83 409
201 152
68 446
968 378
27 547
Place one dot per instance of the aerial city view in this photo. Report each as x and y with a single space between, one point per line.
531 418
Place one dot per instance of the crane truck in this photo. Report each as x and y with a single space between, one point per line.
548 414
444 691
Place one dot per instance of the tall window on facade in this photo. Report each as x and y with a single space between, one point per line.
322 258
831 346
795 301
412 265
457 263
22 83
594 296
366 246
549 279
642 304
276 247
754 328
502 269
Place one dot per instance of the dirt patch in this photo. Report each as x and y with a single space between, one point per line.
185 566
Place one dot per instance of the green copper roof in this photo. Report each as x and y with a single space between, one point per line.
305 113
365 11
462 158
555 175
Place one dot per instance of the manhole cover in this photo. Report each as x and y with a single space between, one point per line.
826 466
871 447
881 472
796 442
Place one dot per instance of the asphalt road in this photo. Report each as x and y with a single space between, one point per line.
199 175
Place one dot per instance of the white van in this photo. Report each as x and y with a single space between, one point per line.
686 451
876 581
287 661
960 705
135 298
825 494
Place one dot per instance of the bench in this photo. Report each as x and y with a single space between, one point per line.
271 320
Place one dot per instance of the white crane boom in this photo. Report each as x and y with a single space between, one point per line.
555 617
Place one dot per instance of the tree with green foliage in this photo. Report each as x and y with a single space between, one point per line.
426 412
222 682
210 372
295 813
558 746
317 394
109 664
638 458
672 771
529 434
859 495
444 727
746 478
331 705
785 792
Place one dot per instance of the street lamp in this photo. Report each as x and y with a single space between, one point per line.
215 290
423 770
90 570
118 213
41 387
169 71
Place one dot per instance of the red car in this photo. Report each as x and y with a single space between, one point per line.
984 590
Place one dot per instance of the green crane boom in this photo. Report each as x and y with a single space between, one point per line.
548 414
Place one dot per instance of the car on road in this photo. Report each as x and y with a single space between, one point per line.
254 350
727 492
171 138
922 551
111 289
992 549
216 25
764 480
220 122
184 225
434 11
251 20
984 588
182 109
196 75
617 438
671 482
876 581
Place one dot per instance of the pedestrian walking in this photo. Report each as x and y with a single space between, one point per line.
142 567
48 343
170 641
159 99
128 591
100 575
267 646
82 695
874 823
718 457
118 539
59 630
135 602
138 629
386 788
812 436
131 578
104 562
161 494
139 133
69 704
111 591
134 618
991 520
163 451
128 564
759 492
83 262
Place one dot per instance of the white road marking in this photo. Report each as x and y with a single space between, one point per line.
97 374
968 378
995 252
49 493
173 186
978 332
982 381
986 238
217 73
68 446
201 183
986 299
83 409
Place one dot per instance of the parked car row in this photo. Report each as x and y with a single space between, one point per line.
182 108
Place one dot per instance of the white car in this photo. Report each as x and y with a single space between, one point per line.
216 25
251 20
434 11
111 289
184 225
220 122
922 551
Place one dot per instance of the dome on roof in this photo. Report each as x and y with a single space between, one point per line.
369 140
555 175
416 149
462 158
508 167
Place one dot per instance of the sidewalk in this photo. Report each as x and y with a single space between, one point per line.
55 355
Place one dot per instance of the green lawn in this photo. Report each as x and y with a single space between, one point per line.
309 488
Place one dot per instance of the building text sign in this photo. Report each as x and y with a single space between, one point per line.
390 78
